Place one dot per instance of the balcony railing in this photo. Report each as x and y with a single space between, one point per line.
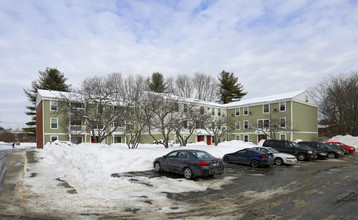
78 127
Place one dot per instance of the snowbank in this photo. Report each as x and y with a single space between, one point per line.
88 169
346 139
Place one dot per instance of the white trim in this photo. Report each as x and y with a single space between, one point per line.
236 111
51 123
51 136
291 120
279 106
237 122
285 121
248 111
263 108
43 123
248 125
51 101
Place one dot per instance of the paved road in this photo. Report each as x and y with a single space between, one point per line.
322 189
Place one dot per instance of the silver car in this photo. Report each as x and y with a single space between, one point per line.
280 158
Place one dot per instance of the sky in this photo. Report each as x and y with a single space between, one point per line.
272 46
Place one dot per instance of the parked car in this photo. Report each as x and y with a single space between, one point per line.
251 157
349 148
280 158
190 163
289 147
330 152
337 146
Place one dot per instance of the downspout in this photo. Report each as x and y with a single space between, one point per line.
43 123
291 120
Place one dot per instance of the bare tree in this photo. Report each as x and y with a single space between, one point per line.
99 104
338 103
206 87
217 126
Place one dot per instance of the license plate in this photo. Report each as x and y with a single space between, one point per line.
215 164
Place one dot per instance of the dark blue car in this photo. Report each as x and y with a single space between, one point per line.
190 163
251 157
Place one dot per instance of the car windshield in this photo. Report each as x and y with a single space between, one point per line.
273 150
295 145
202 155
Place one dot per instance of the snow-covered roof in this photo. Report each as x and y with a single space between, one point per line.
273 98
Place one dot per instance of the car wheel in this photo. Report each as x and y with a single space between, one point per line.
301 156
278 161
254 163
227 159
157 167
331 155
188 174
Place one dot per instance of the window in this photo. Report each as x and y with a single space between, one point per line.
238 137
185 107
282 122
263 123
176 107
53 105
266 108
219 112
282 106
237 111
54 123
282 137
246 124
100 109
246 138
132 111
117 139
212 111
237 125
202 110
53 138
185 124
76 139
246 110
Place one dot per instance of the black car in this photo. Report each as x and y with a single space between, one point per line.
322 147
190 163
289 147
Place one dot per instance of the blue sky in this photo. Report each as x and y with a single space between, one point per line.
272 46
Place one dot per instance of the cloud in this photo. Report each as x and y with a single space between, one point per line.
273 46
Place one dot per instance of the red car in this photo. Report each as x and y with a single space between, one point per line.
350 148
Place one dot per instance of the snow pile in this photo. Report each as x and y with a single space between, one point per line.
346 139
88 169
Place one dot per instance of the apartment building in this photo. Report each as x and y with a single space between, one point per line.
288 116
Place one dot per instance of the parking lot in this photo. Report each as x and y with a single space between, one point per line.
320 189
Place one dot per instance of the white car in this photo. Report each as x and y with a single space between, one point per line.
280 158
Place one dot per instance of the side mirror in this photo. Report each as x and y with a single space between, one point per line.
165 156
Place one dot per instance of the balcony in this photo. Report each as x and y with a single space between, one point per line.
81 128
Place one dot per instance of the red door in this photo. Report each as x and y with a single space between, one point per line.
208 140
260 137
200 138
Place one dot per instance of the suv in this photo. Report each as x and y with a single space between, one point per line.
322 148
289 147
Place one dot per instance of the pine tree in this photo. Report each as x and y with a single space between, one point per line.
230 89
50 79
156 83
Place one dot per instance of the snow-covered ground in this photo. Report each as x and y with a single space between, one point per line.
8 146
88 168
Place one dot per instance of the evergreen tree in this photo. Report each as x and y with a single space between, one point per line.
230 89
156 83
50 79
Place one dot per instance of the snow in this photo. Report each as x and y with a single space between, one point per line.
346 139
87 168
8 146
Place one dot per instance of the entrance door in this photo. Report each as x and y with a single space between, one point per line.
200 138
208 140
260 137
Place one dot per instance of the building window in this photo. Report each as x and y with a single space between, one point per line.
132 111
53 105
185 124
76 139
53 138
202 110
282 106
282 122
246 124
246 110
212 111
282 137
176 107
237 111
237 125
219 112
54 123
246 138
185 107
117 139
238 137
266 108
263 123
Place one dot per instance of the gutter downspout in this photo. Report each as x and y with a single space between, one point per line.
291 120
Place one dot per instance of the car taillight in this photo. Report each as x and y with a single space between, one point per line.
203 163
263 157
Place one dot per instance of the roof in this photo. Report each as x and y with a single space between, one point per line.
266 99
